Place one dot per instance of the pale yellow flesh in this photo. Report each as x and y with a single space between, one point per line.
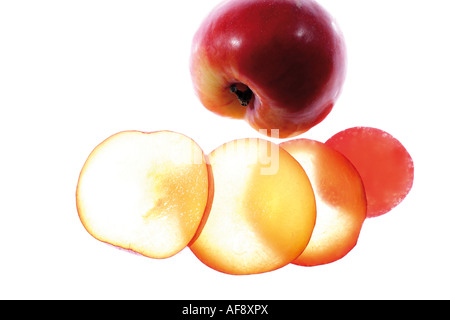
144 191
263 211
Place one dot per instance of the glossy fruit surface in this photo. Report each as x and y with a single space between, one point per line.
340 199
263 212
278 64
146 192
385 166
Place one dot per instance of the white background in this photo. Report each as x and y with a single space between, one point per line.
74 72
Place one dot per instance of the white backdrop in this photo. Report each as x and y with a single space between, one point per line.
74 72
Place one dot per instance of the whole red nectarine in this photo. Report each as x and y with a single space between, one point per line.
278 64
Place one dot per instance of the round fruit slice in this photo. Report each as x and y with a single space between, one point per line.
146 192
340 199
263 212
385 166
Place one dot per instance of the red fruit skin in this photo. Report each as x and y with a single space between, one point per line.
385 166
290 53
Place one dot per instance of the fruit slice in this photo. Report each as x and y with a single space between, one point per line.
385 166
263 211
340 199
146 192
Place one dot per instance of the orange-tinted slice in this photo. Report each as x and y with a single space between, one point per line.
263 212
340 199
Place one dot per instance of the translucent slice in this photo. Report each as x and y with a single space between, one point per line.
146 192
386 167
263 211
340 200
